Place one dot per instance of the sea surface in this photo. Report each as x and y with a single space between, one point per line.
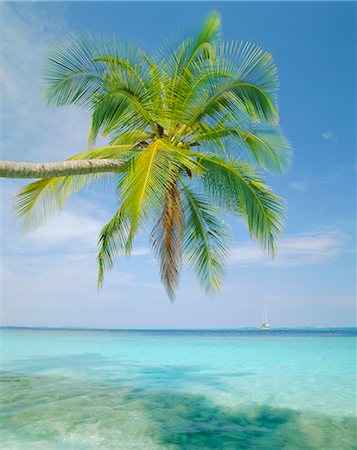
218 389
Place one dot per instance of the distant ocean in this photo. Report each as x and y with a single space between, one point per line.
195 389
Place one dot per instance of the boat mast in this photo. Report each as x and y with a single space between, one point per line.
266 318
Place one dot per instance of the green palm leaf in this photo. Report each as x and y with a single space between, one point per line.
237 187
38 201
112 241
71 74
180 61
205 240
261 144
149 175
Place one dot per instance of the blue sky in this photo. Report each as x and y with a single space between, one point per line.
49 275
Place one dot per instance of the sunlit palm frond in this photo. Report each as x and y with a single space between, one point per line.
149 175
204 44
107 114
107 152
133 136
38 201
157 80
78 67
133 95
121 109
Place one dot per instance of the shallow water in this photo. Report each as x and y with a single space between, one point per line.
282 389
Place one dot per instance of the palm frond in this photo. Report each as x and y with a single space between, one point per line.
72 76
137 73
268 147
249 62
120 109
261 144
234 97
205 240
112 241
241 78
38 201
166 238
81 66
200 43
236 186
149 175
133 136
115 151
180 60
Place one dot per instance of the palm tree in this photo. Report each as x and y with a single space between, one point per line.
188 130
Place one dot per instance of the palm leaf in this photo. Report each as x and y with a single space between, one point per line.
241 78
38 201
166 238
205 240
112 241
71 74
262 144
179 61
237 187
234 96
118 110
268 147
149 175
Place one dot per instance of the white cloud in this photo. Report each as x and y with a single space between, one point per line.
64 229
141 251
300 186
74 230
34 131
329 135
300 250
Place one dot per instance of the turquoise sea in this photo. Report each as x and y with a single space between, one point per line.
219 389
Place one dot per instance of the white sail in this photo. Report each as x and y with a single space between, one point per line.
265 320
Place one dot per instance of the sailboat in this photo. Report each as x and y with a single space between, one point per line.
265 321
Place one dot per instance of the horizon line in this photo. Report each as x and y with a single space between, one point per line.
74 328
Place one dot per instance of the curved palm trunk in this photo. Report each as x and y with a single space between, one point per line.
14 169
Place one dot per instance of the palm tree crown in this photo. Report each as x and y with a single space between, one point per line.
192 126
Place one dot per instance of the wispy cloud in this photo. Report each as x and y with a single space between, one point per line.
300 186
141 251
293 251
74 230
67 229
329 135
34 131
